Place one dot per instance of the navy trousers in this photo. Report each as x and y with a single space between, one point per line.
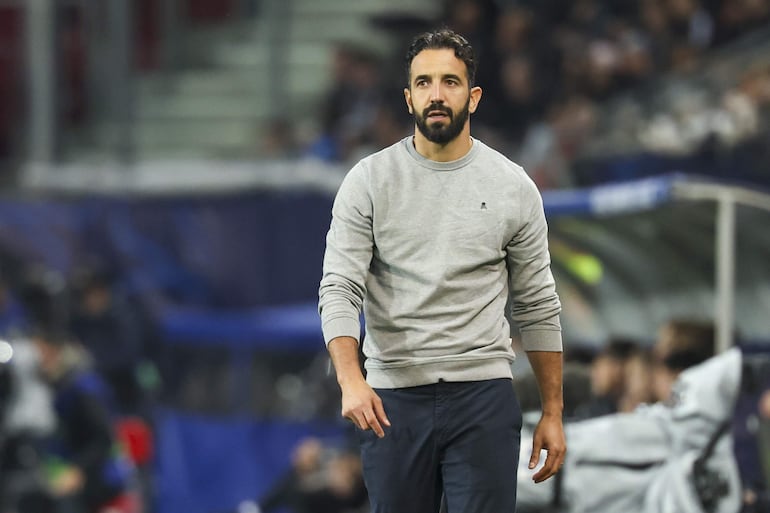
460 440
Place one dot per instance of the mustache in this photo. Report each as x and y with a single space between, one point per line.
437 107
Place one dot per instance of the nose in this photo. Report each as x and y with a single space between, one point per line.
436 94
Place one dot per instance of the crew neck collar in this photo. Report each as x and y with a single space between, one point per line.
451 165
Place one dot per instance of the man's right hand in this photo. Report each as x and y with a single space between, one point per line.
362 406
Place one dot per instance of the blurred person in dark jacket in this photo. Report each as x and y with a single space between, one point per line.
13 317
607 378
322 479
105 323
350 106
85 468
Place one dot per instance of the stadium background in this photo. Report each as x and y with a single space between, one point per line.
191 148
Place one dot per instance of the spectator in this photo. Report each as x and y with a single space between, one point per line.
735 17
476 19
13 317
520 101
350 106
681 343
608 372
652 19
393 124
638 388
691 22
85 471
550 145
322 479
111 332
278 140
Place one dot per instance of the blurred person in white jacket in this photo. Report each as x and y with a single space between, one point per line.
672 457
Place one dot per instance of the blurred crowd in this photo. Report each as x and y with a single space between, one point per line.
549 70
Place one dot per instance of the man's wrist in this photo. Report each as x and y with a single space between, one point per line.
553 412
346 380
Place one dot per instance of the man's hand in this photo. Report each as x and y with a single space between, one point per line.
360 404
549 435
363 406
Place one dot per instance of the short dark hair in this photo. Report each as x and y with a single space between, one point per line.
620 348
691 342
443 39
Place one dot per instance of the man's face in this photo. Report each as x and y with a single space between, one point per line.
438 95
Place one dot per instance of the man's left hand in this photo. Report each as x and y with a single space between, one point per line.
549 435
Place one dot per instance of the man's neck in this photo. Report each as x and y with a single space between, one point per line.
453 150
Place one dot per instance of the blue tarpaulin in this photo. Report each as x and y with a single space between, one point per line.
212 464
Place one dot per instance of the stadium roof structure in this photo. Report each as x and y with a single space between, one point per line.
629 256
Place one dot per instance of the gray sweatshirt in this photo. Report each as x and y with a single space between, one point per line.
431 251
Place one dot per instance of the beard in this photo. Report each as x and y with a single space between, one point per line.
437 132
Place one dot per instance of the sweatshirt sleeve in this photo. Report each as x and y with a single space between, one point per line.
535 306
348 254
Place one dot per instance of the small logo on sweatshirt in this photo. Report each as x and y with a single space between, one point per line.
483 205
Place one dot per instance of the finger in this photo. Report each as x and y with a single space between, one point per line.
544 473
380 412
359 420
541 475
553 463
371 420
535 457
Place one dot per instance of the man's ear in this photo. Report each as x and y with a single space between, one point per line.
408 98
475 99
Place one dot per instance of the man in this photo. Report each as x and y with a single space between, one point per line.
431 236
